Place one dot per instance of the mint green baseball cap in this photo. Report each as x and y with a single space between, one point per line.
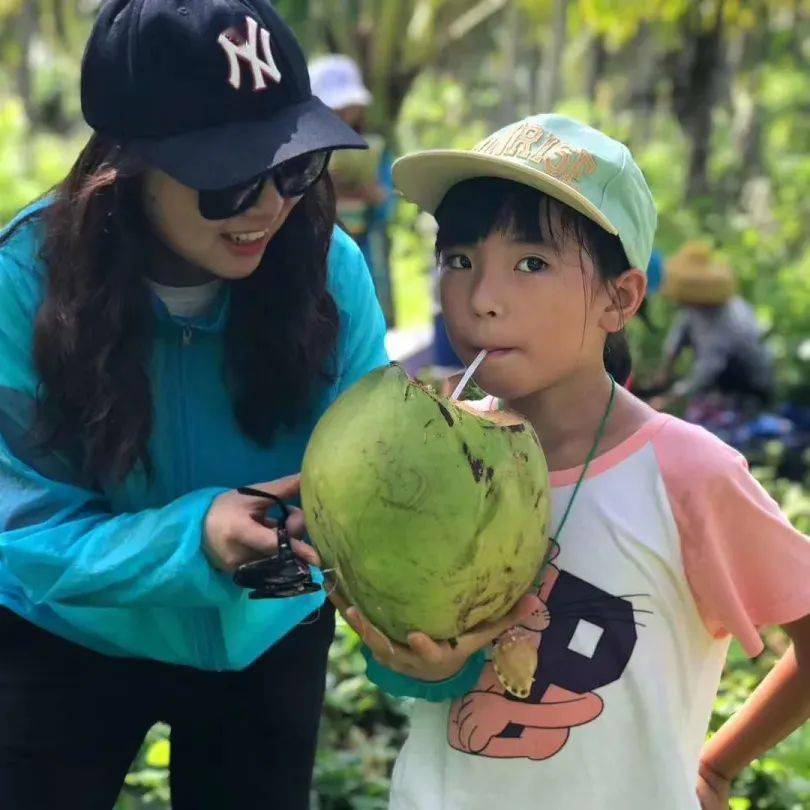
567 160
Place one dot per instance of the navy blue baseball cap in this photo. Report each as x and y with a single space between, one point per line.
213 92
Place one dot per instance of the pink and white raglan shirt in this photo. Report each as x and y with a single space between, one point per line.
671 549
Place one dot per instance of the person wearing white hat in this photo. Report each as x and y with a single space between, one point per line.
337 82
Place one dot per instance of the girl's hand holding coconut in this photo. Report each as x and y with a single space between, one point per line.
423 658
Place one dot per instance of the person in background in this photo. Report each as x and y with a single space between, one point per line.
733 368
444 355
365 196
655 278
655 272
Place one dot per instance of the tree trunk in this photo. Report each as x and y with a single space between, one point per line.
597 67
536 78
753 54
26 31
702 86
509 90
642 70
555 52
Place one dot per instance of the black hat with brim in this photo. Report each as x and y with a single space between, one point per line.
213 92
228 154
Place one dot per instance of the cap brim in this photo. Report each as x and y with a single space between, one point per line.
229 154
425 177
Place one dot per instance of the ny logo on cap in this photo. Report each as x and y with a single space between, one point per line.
236 47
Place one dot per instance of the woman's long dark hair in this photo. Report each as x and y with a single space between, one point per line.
93 333
474 208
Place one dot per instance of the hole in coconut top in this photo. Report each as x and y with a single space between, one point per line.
497 417
501 418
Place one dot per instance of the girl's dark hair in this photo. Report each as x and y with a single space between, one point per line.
93 332
475 208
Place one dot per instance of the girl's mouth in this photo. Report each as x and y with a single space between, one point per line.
495 353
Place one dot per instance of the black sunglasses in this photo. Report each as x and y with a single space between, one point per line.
292 178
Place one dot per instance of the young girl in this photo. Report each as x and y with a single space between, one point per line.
173 319
664 545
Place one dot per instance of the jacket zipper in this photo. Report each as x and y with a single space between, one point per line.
185 342
202 616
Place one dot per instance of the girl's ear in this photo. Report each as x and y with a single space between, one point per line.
626 294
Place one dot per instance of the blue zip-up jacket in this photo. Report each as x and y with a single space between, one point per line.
122 571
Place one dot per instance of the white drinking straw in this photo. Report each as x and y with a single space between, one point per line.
468 373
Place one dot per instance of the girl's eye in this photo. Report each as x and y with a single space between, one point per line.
531 264
456 261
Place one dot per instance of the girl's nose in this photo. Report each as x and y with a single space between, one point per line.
486 298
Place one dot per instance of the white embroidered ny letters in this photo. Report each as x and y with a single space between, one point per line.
237 48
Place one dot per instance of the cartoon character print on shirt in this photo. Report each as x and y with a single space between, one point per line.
585 638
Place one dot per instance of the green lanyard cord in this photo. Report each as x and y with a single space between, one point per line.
600 432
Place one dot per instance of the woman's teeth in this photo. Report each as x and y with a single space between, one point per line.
246 237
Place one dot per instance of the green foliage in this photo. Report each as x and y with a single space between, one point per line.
147 784
457 73
29 164
361 731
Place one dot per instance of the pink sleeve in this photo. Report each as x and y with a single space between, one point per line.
746 565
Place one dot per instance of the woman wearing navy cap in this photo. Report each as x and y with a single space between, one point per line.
174 317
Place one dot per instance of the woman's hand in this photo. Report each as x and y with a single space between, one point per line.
713 789
238 531
423 658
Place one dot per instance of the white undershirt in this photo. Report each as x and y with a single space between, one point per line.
187 302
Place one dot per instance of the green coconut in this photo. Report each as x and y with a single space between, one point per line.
433 516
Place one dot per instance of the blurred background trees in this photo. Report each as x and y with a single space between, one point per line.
713 98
